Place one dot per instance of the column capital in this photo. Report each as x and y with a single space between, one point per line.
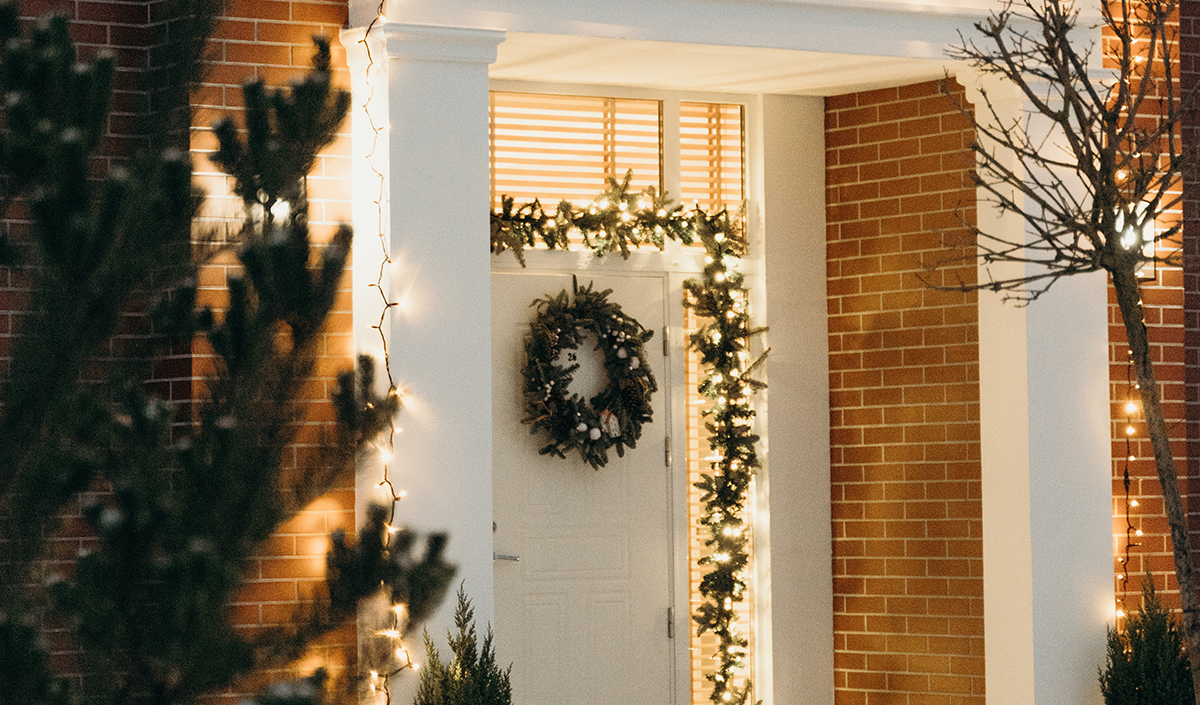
425 42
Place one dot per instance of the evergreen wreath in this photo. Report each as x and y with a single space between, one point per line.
614 417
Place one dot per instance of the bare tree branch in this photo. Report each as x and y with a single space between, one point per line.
1090 166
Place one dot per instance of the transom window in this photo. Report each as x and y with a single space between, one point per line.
563 147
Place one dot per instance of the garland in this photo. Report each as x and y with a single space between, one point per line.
614 417
616 220
724 347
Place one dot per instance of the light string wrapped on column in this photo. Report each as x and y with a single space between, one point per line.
724 345
379 678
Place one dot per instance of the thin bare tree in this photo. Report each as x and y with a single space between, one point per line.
1092 164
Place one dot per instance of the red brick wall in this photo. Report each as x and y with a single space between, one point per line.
119 27
907 539
1189 64
271 40
1164 300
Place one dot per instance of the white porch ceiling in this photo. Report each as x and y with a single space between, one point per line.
694 67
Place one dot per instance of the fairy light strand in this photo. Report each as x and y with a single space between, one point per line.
380 682
1131 530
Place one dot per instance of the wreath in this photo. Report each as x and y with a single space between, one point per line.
614 417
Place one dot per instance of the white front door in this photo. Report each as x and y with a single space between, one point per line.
583 564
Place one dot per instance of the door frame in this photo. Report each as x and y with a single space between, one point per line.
673 267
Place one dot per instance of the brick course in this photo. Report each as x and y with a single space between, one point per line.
907 547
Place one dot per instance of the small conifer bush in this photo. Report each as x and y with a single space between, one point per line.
472 676
1147 663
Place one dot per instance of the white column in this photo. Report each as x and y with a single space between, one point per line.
797 458
1047 510
441 332
433 154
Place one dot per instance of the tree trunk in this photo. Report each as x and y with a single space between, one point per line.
1128 292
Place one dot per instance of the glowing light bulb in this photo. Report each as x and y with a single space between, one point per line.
1133 503
1131 408
1138 532
1129 430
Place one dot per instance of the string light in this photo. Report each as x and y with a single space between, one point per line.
395 630
1131 408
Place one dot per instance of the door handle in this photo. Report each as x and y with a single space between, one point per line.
505 557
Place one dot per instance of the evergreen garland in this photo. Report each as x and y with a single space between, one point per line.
614 417
615 220
724 346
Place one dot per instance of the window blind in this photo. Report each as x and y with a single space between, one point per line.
555 147
712 149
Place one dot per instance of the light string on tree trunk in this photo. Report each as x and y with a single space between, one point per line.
1131 531
379 679
724 344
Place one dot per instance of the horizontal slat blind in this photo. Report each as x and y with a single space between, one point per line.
555 147
712 149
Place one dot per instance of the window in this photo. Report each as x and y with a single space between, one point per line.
711 154
556 147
